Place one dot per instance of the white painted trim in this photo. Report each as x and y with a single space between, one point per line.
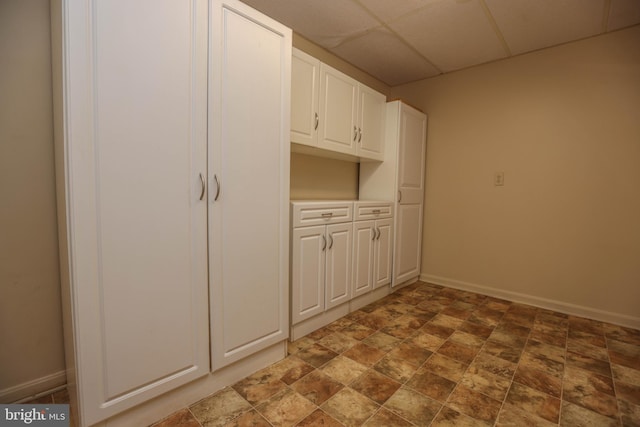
33 387
549 304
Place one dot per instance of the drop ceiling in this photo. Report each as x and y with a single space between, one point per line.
400 41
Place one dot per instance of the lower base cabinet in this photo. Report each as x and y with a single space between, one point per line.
339 251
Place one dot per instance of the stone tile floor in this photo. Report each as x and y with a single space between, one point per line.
433 356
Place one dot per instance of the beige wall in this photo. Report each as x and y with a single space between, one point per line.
321 179
325 178
563 124
30 318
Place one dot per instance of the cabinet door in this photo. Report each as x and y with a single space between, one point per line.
412 146
371 127
363 256
338 265
338 111
408 240
383 252
135 124
411 154
250 85
305 70
308 250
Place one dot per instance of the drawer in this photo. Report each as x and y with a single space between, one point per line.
372 210
318 213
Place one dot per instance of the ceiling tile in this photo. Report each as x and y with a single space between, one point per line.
623 13
451 34
385 57
387 10
529 25
326 22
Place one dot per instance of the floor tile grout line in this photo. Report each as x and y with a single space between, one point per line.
564 371
613 381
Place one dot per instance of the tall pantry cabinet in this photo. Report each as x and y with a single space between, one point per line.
172 126
401 178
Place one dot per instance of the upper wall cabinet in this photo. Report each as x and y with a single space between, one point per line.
333 112
305 80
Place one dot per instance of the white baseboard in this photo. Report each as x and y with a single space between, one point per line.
549 304
33 388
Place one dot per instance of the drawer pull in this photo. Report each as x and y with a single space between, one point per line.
376 211
327 215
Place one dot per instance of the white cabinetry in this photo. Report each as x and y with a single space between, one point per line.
136 145
372 246
338 130
371 123
305 80
340 252
248 182
334 112
401 178
320 257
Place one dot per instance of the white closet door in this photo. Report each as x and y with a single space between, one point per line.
413 134
250 84
135 128
407 253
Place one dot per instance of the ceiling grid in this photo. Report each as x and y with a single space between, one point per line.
401 41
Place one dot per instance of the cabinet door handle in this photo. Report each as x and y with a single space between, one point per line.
330 241
204 186
317 121
355 133
359 135
399 196
378 236
215 178
324 243
374 233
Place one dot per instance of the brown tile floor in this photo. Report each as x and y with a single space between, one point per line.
433 356
428 355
